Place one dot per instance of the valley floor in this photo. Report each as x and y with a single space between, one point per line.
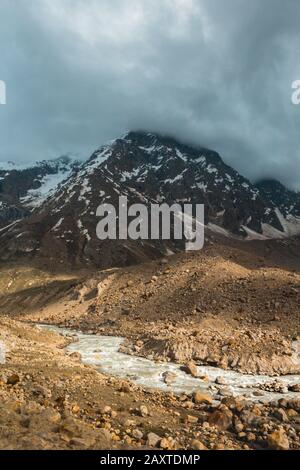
49 400
227 307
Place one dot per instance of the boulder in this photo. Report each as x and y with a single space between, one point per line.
278 440
191 419
169 377
13 379
198 445
137 434
153 439
191 368
221 381
221 419
202 397
143 411
295 388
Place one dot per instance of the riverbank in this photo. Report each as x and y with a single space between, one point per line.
49 400
225 307
108 355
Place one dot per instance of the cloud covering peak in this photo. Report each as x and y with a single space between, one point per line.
213 73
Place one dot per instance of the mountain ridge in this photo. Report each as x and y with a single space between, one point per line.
148 168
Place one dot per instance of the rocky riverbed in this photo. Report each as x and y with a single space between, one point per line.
49 399
106 353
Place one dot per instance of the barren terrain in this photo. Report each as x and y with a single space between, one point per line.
225 306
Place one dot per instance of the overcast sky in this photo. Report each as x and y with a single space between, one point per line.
211 72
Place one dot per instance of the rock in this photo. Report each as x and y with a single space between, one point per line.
153 439
188 405
294 404
167 443
201 397
191 368
143 411
294 388
239 427
249 418
75 355
125 388
230 402
291 413
75 408
198 445
221 419
85 438
251 437
81 442
106 410
127 440
192 419
41 391
281 415
129 422
278 440
13 379
221 381
169 377
225 392
275 386
137 434
164 444
219 446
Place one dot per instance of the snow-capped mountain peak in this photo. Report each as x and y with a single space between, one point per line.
146 168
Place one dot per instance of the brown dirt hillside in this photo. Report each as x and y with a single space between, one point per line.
236 306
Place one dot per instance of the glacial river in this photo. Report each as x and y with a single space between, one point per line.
102 352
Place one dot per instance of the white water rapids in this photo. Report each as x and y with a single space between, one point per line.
102 352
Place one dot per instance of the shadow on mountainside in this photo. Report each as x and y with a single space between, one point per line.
31 299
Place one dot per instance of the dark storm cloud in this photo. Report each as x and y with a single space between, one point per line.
210 72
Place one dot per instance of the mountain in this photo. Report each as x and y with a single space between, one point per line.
147 168
24 187
285 202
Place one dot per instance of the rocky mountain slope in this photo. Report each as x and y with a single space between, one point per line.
147 169
25 187
285 202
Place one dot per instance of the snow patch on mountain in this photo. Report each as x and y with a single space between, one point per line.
48 185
